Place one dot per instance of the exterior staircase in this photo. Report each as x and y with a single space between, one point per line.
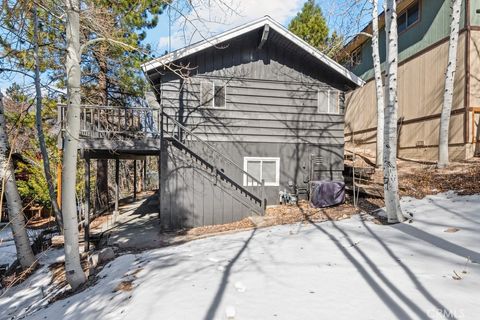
179 136
117 131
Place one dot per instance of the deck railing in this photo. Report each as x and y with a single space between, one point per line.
98 121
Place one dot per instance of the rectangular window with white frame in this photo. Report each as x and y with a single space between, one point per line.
261 168
212 95
328 101
409 17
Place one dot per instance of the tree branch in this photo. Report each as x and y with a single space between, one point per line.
2 69
93 41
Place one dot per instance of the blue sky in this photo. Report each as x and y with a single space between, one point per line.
215 19
345 16
221 15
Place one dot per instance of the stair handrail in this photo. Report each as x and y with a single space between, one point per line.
189 132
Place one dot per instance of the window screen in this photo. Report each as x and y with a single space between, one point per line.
206 93
269 171
262 168
254 168
220 95
328 101
333 102
322 106
212 95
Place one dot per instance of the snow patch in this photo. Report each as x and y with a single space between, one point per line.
349 269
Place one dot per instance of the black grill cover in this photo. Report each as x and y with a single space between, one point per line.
326 193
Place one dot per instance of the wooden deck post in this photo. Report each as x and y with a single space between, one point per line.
117 189
60 152
86 225
264 198
134 180
160 168
59 179
144 176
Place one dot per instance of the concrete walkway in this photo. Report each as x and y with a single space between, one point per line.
136 227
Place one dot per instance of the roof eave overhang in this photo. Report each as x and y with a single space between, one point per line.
233 33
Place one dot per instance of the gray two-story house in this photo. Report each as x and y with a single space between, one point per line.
246 114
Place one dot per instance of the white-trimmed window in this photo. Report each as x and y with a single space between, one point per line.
356 57
211 95
328 101
409 17
266 168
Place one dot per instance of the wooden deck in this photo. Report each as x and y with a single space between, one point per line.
117 132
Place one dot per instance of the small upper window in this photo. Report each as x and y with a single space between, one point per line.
212 95
328 101
408 17
355 58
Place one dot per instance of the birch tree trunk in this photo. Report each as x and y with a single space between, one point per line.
378 85
14 203
39 125
390 176
449 83
74 273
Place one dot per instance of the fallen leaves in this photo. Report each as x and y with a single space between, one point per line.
125 286
451 230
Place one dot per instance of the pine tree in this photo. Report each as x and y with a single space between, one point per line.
310 25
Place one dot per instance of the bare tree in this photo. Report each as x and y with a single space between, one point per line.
449 83
39 124
390 175
14 203
73 269
378 84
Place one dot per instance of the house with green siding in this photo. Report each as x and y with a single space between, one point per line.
423 28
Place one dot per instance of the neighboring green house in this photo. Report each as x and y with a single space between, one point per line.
424 27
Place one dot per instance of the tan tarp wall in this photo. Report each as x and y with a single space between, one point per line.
420 83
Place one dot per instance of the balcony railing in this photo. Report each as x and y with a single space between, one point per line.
98 121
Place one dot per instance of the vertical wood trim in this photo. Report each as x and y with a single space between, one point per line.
117 190
134 180
467 70
87 205
144 175
59 179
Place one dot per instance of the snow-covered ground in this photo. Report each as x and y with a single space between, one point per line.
8 252
7 246
352 269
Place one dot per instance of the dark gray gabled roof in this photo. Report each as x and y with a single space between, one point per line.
233 33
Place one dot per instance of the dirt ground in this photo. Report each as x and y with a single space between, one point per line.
416 179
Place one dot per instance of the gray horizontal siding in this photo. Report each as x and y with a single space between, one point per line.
333 142
230 115
233 133
191 197
267 111
238 85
